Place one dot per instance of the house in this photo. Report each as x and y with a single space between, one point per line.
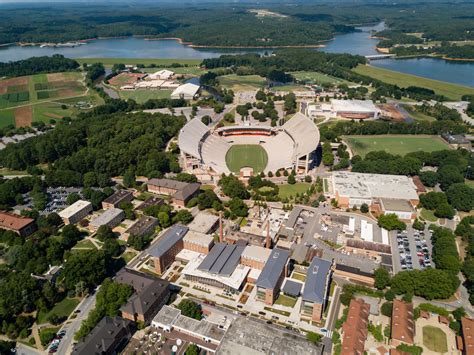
186 91
151 293
316 289
109 336
355 328
168 246
23 226
403 324
115 200
272 276
76 212
180 192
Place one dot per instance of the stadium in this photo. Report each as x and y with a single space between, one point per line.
233 148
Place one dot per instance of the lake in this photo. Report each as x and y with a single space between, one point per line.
354 43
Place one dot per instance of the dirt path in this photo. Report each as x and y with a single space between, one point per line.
35 333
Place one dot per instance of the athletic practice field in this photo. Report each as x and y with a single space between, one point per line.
246 155
398 145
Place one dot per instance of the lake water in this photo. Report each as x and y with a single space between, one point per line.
353 43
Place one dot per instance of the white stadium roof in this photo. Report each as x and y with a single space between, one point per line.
356 106
304 132
190 137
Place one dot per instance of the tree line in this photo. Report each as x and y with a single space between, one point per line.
37 65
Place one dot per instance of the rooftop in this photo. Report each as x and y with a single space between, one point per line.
74 208
203 222
355 328
141 225
167 240
14 221
108 215
257 253
198 238
183 189
316 281
292 288
365 106
273 268
222 259
151 201
403 325
468 334
118 196
186 89
391 204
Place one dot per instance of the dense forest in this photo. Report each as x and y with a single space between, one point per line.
35 65
232 25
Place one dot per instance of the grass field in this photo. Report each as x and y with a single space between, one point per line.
316 77
291 190
242 82
290 88
141 96
428 215
451 91
435 339
286 301
7 117
145 61
62 309
399 145
246 155
418 116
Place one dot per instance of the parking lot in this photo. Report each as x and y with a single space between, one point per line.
411 250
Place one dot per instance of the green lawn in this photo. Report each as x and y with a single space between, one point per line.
129 255
416 115
141 96
298 276
47 111
62 309
401 144
286 301
428 215
242 82
283 313
291 190
451 91
145 61
316 77
7 117
85 244
435 339
246 155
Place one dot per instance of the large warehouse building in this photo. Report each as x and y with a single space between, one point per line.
354 109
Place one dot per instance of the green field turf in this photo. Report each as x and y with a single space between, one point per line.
7 117
242 82
246 155
316 77
399 145
451 91
141 96
134 61
288 190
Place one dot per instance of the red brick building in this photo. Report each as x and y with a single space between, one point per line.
23 226
180 192
355 328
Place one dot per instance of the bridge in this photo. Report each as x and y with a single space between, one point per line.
379 56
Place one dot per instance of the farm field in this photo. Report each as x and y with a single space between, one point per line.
141 96
288 190
451 91
398 145
39 97
246 155
316 77
242 82
145 61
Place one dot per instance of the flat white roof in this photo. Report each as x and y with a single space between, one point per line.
257 253
363 106
368 186
74 208
198 238
234 281
366 231
203 222
186 89
106 217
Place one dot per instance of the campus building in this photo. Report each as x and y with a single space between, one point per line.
169 245
255 257
466 340
186 91
272 276
220 268
355 328
204 222
151 293
198 242
23 226
181 192
144 226
403 324
316 289
115 200
151 201
354 109
109 336
354 189
76 212
110 218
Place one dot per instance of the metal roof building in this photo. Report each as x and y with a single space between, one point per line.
167 240
292 288
317 279
273 268
222 260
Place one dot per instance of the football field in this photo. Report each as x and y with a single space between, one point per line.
397 145
246 155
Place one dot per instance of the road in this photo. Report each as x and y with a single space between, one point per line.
71 327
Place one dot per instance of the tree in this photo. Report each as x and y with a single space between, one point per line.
432 199
364 208
89 267
390 295
429 178
183 216
206 119
313 337
382 278
387 309
192 349
164 219
448 175
391 222
190 309
291 179
418 225
461 197
72 197
129 178
444 210
238 207
104 233
458 313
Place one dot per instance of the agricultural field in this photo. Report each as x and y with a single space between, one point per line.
451 91
141 96
27 99
163 62
242 82
246 155
317 78
396 144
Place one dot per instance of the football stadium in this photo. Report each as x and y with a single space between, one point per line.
234 148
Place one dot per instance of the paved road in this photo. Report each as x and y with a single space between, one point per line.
335 306
65 346
22 349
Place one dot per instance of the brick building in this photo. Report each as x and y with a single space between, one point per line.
76 212
355 328
119 197
403 324
23 226
272 276
169 245
255 256
198 242
180 192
